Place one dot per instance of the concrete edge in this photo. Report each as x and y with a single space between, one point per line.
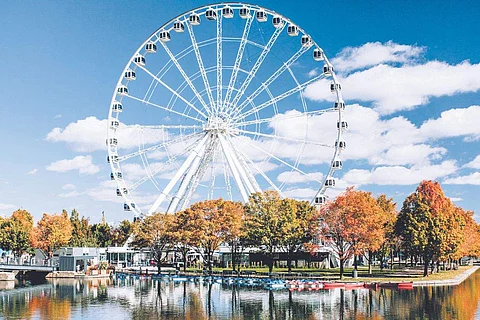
450 282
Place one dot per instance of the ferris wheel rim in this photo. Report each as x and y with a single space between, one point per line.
218 7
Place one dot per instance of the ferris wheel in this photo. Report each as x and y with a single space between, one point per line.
213 104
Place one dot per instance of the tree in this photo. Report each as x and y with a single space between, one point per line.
121 233
81 231
352 224
388 209
52 232
263 224
424 221
15 232
102 233
154 233
299 222
213 220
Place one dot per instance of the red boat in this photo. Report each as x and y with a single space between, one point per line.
333 285
354 285
405 286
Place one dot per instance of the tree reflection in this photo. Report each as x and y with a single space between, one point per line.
150 299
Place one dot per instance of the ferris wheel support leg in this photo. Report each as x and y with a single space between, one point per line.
187 179
235 173
177 176
244 172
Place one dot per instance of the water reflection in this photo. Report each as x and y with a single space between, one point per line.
147 299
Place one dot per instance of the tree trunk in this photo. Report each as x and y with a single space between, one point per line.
425 267
391 259
370 254
341 267
289 261
234 256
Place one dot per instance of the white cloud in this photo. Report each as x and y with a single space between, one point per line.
32 172
473 178
393 89
7 206
90 134
373 53
289 177
475 163
454 123
71 194
83 164
300 193
68 186
313 73
398 175
454 199
57 116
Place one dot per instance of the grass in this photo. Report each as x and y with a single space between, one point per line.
386 275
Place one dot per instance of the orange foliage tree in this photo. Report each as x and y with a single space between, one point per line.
15 232
352 224
429 225
211 223
52 232
155 232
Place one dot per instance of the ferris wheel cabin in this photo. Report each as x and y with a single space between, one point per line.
227 12
342 145
117 107
306 41
194 19
261 16
277 22
343 124
178 26
165 36
122 90
117 175
330 182
292 30
151 47
124 191
327 70
113 158
339 106
139 60
112 142
130 75
128 207
318 54
320 200
210 14
337 164
244 13
114 124
335 86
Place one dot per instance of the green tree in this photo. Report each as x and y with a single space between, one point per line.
264 226
300 220
121 233
81 231
154 233
15 232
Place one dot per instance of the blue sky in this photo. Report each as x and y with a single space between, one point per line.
410 75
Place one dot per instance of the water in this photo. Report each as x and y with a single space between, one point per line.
147 299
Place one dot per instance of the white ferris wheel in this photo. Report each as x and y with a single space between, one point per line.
213 104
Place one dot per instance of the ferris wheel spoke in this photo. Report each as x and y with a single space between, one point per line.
260 171
254 187
158 146
169 162
200 65
212 173
257 64
280 160
163 108
272 78
245 177
168 127
187 79
157 79
193 155
238 60
219 61
278 98
233 168
273 136
226 176
284 117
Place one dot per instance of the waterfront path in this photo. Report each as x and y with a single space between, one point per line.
447 282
